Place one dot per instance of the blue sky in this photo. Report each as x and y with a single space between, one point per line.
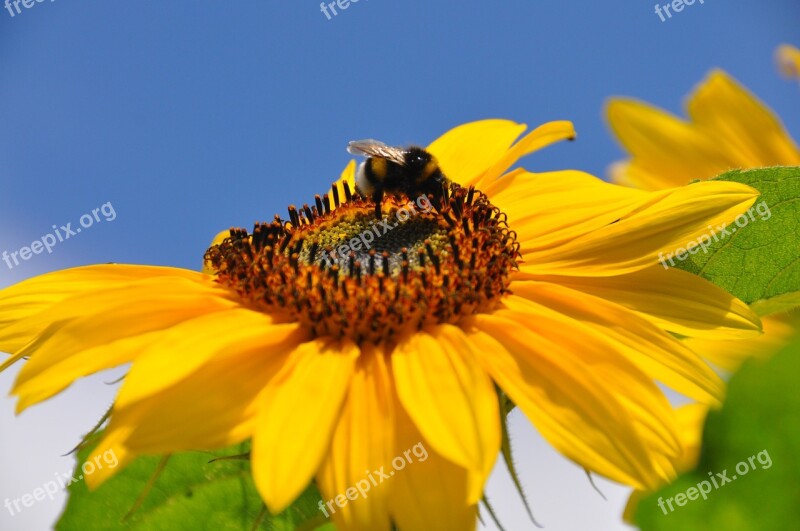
190 117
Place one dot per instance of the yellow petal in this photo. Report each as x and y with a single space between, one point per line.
729 355
450 398
297 415
577 408
184 348
690 426
362 447
20 303
539 138
214 408
534 203
655 352
349 177
114 456
728 128
653 137
788 58
429 492
213 403
466 152
103 329
662 223
745 127
610 361
632 174
691 418
673 300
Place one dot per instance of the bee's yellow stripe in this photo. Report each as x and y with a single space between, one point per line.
379 168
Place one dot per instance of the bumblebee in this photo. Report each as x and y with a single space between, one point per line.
411 171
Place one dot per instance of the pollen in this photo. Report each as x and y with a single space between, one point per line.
342 272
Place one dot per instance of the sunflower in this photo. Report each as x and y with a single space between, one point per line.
728 128
336 357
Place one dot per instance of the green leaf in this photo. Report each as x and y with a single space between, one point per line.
759 260
755 440
190 493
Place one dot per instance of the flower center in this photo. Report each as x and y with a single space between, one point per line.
344 273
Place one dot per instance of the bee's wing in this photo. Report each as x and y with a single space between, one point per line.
376 148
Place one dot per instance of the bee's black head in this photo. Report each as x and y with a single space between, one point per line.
421 163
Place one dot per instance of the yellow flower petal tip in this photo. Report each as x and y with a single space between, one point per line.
477 153
788 59
349 339
103 463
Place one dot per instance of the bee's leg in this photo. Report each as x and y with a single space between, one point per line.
377 198
435 193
